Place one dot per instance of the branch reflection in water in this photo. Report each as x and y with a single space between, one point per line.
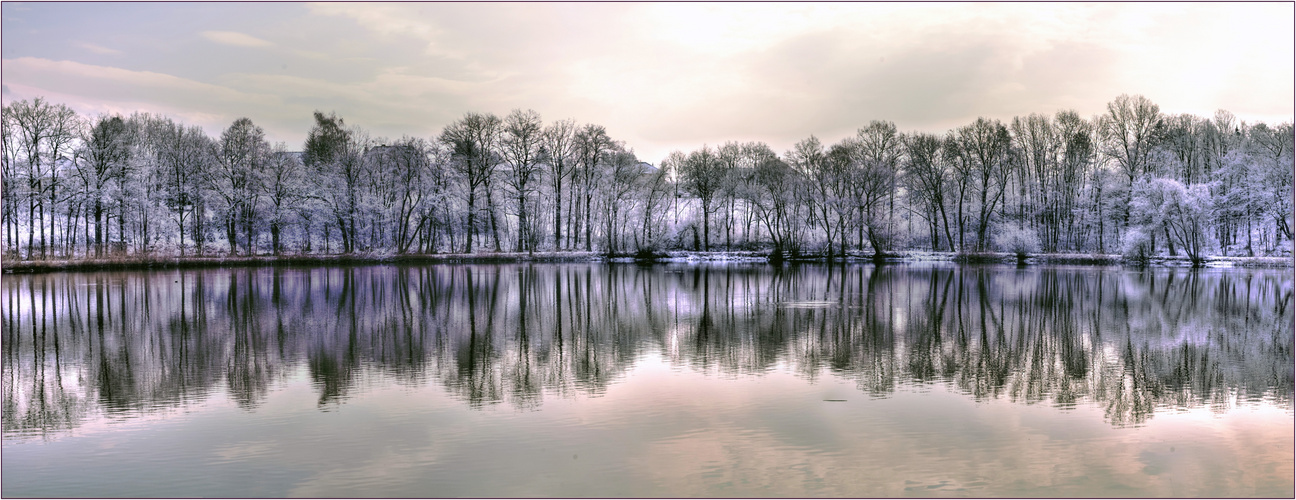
1133 342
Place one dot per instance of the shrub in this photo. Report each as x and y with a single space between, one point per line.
1136 246
1017 240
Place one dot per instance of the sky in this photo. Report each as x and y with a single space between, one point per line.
658 76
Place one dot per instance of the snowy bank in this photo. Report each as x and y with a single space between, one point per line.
912 257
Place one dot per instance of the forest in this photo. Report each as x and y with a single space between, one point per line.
1131 181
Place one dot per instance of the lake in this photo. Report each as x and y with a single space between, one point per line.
608 380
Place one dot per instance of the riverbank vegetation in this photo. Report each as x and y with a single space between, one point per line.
1133 182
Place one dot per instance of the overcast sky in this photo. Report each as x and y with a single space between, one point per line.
658 76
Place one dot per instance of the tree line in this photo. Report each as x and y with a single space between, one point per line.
1132 180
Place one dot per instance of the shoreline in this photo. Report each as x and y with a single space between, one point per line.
676 257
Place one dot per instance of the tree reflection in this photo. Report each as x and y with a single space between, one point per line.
1132 342
249 370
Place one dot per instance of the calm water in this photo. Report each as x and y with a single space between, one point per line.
596 380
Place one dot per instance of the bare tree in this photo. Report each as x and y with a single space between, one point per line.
1275 146
1184 212
961 167
558 154
655 187
9 192
731 156
187 158
1129 132
591 145
827 193
927 178
473 141
334 154
775 193
283 182
522 142
704 175
63 139
673 164
437 213
987 147
45 132
243 154
880 147
624 172
104 152
1075 136
1035 138
401 185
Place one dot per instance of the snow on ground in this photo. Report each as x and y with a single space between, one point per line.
1249 262
928 256
909 257
734 257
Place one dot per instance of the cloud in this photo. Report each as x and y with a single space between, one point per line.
678 75
92 90
235 38
105 80
98 49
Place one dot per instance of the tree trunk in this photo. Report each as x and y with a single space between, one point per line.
231 236
121 225
522 223
841 231
144 226
99 226
274 238
557 212
949 238
706 227
197 233
40 220
472 220
182 232
589 246
1169 241
248 228
490 207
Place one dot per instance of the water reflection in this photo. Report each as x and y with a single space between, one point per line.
115 345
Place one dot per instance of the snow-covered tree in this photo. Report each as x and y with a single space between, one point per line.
284 187
704 176
473 142
333 154
522 144
188 157
236 179
1182 212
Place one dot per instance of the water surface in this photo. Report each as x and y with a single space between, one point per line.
610 380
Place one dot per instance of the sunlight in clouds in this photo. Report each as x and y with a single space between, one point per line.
98 49
661 76
235 38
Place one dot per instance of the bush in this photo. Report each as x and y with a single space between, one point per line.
1136 246
648 253
1018 241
